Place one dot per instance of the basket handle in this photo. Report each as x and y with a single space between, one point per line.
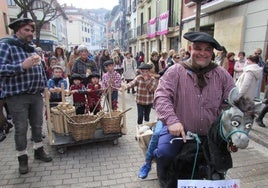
98 118
65 114
124 111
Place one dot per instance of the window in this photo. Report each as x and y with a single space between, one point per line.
11 3
46 26
54 30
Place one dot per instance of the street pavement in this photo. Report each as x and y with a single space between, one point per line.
105 165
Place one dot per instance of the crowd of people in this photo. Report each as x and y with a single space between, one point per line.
159 83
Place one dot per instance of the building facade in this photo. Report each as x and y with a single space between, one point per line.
238 25
52 33
4 19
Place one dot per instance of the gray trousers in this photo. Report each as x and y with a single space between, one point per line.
26 109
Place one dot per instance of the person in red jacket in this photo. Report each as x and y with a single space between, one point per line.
94 93
79 91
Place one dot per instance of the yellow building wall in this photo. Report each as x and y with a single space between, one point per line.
3 9
229 33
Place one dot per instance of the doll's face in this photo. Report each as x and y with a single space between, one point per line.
95 80
77 81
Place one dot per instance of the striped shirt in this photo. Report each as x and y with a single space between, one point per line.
145 89
179 99
14 79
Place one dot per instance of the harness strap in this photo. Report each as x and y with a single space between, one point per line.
196 153
231 133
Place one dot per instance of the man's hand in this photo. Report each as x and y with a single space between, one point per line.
177 129
31 61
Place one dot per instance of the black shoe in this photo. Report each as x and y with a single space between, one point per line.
260 122
2 136
41 155
23 164
133 91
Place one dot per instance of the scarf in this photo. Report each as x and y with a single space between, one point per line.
200 72
56 80
26 47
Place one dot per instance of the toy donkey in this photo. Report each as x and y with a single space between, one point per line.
209 157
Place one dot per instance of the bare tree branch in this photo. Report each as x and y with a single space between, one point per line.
41 11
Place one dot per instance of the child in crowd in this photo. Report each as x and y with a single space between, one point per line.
111 79
52 61
79 91
54 85
146 86
94 93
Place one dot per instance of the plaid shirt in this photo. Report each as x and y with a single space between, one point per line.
111 76
14 79
145 89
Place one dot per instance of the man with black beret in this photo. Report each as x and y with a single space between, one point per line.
23 80
189 97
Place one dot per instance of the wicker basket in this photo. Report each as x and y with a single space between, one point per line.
58 119
84 128
111 124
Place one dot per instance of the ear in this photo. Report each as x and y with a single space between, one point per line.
233 95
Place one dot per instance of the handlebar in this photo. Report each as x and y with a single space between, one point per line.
189 136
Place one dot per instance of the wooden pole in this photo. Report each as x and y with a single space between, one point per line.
49 125
110 100
197 16
62 92
124 127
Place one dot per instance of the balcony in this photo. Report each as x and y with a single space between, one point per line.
217 5
132 35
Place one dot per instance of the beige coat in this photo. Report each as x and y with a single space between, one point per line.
247 83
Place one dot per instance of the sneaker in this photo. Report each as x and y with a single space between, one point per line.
260 122
144 171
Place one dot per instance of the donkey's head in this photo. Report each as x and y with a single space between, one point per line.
237 121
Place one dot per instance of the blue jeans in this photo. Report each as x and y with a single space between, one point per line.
26 109
153 142
114 97
166 152
144 111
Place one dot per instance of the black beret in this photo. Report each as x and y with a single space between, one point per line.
94 75
18 23
202 37
108 62
76 76
145 66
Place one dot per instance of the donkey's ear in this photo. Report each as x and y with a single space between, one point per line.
233 95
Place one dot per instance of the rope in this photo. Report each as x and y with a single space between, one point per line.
196 153
229 134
